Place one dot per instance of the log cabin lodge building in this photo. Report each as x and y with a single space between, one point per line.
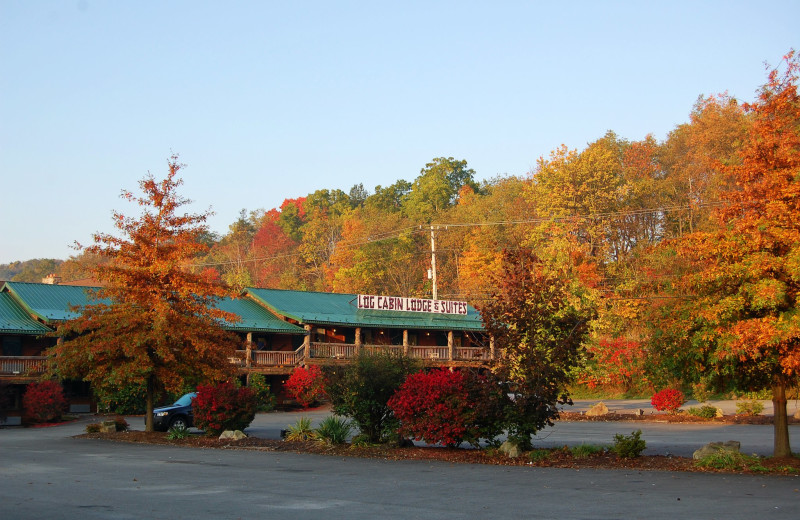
279 330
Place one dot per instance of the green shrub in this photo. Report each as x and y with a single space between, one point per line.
629 446
749 407
362 389
128 399
706 411
300 431
265 400
333 430
701 392
584 451
93 428
178 432
361 441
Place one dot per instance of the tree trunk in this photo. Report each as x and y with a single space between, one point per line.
781 419
148 421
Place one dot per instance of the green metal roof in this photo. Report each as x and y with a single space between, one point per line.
342 309
255 318
50 302
14 319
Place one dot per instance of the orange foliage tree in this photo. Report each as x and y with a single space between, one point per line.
154 322
746 282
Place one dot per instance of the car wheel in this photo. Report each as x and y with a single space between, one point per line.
179 422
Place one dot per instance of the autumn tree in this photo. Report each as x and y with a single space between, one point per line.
742 305
694 158
584 184
540 316
273 253
154 322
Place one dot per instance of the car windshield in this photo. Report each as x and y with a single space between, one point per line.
186 400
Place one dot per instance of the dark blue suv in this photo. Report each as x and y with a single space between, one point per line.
177 415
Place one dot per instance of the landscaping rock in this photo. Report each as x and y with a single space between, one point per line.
720 414
797 414
597 410
232 435
108 427
511 449
715 447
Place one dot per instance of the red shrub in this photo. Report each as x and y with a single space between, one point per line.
446 407
306 385
223 407
668 400
44 402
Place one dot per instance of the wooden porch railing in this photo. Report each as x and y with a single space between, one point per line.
270 358
333 350
21 365
348 351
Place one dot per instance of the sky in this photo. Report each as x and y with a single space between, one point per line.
266 100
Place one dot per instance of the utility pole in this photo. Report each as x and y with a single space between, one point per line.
433 261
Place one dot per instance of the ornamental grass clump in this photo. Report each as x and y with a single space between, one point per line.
668 400
333 430
300 431
178 432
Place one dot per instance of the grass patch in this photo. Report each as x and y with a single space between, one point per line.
731 461
538 455
584 451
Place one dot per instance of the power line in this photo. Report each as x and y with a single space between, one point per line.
415 230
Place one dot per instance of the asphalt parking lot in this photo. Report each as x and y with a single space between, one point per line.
46 473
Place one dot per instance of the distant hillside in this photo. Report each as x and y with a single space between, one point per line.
29 270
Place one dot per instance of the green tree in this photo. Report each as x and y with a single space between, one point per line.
437 188
155 320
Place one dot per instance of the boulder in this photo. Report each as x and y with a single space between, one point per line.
511 449
715 447
797 414
597 410
232 435
108 427
719 414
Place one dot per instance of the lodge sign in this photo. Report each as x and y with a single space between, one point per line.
398 303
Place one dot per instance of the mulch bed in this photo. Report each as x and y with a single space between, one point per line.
674 418
556 458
